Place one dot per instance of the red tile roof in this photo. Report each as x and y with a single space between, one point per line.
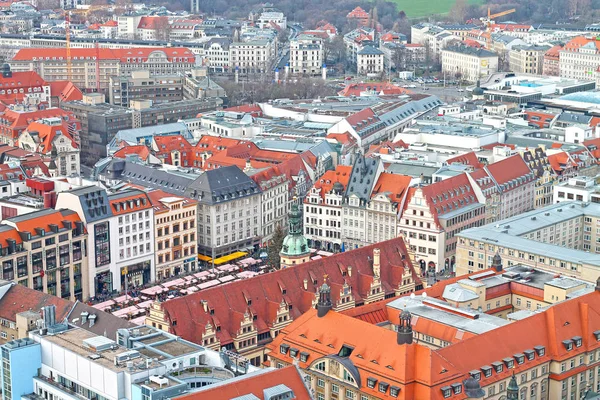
161 22
19 298
65 91
385 88
266 291
325 184
449 195
253 109
509 169
358 13
119 199
28 54
255 384
166 145
141 150
47 133
29 222
157 196
466 159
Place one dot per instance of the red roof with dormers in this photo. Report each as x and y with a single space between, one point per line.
43 220
153 22
142 151
225 304
48 133
128 201
18 121
466 159
510 170
325 184
575 43
384 88
167 145
51 54
510 27
252 109
449 195
65 91
358 13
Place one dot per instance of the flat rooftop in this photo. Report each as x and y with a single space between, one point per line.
450 316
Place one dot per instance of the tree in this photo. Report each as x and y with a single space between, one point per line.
334 50
459 11
275 245
283 37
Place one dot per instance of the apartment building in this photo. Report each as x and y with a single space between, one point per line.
175 232
527 59
471 63
121 248
578 188
365 173
306 55
369 60
15 119
556 238
229 211
45 250
434 214
252 56
580 58
508 186
544 176
323 209
56 138
51 63
275 201
356 40
551 63
216 54
141 86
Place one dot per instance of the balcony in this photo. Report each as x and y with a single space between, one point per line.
69 393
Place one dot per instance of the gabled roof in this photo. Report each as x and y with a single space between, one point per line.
19 298
42 219
161 22
341 175
466 159
392 186
65 91
266 292
449 195
47 133
142 151
511 172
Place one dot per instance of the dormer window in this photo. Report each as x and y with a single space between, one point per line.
294 352
597 335
283 349
520 358
577 340
446 391
371 382
304 356
498 366
530 354
456 388
383 387
475 375
541 350
487 371
509 362
568 344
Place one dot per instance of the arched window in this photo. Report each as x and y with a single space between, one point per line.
523 393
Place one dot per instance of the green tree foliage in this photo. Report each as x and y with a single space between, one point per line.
275 245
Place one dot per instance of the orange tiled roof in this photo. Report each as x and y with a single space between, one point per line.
341 174
29 222
255 384
28 54
156 195
47 134
141 150
130 198
466 159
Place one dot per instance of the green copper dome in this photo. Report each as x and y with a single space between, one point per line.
294 244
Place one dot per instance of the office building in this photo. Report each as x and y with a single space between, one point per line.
468 63
141 86
306 55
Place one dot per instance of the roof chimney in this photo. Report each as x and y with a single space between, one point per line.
405 335
497 263
376 262
324 303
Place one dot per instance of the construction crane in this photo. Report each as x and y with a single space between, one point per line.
489 20
68 46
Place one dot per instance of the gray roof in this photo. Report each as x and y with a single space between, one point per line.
171 181
105 324
363 177
438 310
133 135
94 203
471 51
222 185
414 170
574 118
370 50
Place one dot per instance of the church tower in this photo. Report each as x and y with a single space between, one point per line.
295 246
